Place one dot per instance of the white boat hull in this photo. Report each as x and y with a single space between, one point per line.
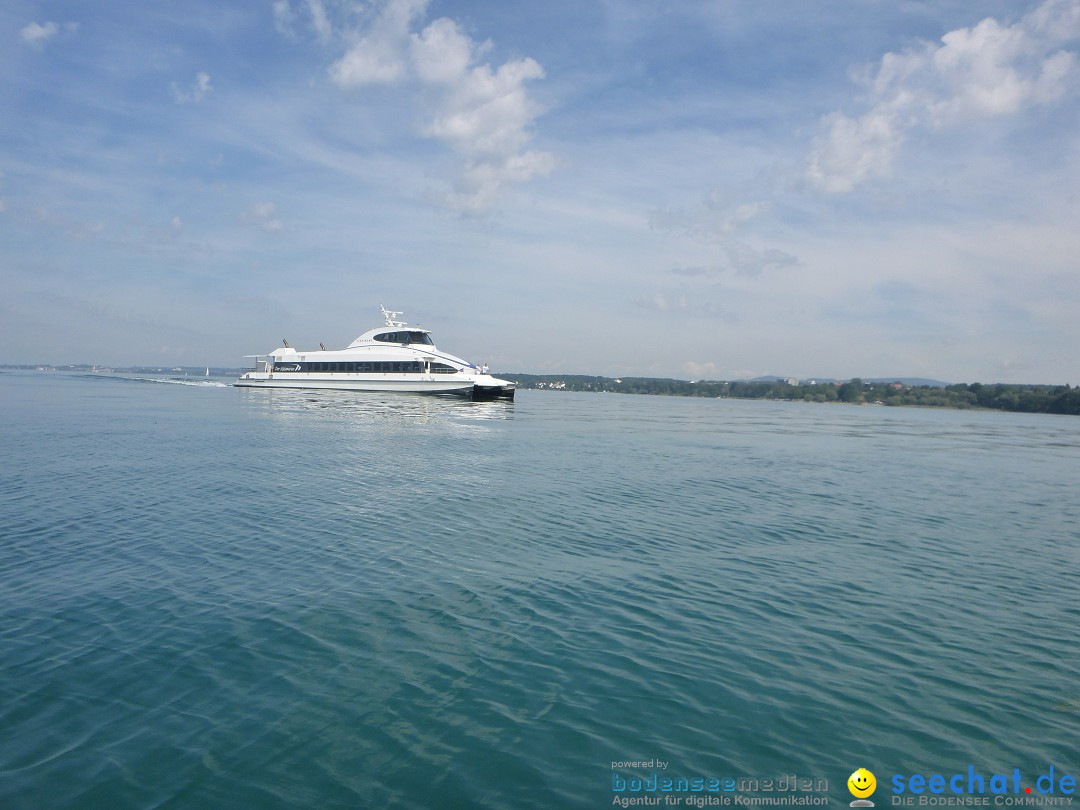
472 385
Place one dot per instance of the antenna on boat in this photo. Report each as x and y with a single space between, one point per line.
322 345
389 315
283 340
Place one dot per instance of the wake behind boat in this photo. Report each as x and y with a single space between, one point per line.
393 357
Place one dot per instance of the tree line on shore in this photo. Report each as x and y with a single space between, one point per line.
1061 399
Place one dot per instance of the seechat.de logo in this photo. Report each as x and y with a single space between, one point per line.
861 784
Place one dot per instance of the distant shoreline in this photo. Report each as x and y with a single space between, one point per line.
1058 399
1017 398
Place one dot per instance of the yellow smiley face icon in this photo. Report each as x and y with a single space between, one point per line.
861 783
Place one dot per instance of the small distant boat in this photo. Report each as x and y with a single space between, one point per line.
393 357
208 371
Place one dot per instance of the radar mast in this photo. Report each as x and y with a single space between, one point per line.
390 315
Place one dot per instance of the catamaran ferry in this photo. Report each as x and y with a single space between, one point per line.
393 357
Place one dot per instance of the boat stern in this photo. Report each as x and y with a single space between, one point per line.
488 387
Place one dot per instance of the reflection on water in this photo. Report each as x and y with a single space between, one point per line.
368 406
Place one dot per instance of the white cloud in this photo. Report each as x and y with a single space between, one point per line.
319 21
712 221
487 112
716 223
481 181
37 34
263 215
441 53
196 93
701 371
482 113
285 19
485 118
379 53
663 303
857 149
750 262
989 70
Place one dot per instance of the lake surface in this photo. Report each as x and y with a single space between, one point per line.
220 597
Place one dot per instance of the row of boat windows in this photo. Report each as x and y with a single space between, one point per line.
397 367
405 337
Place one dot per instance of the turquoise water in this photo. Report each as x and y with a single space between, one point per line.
217 597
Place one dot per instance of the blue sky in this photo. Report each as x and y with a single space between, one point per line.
689 189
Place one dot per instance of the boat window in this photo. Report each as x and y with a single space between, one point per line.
367 367
405 337
442 368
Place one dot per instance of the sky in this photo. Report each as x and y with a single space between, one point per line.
699 190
